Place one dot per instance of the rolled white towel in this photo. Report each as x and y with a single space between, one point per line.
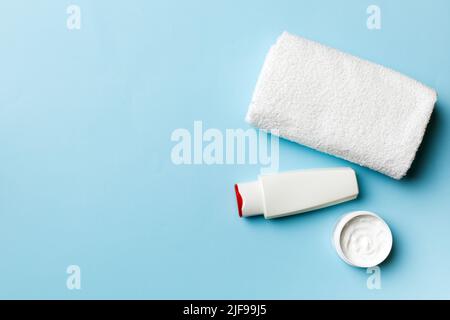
342 105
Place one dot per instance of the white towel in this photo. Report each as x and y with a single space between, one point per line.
342 105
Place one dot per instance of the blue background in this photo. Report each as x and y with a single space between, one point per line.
86 176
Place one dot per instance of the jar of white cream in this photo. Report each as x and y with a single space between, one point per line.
362 239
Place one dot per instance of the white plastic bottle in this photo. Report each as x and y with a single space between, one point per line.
288 193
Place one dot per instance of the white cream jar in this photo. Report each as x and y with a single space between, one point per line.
362 239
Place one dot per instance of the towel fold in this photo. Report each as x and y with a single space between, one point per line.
342 105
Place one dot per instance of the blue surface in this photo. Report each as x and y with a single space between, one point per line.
86 176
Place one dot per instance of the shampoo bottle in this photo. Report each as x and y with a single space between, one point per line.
288 193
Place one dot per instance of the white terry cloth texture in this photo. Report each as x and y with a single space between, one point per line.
342 105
